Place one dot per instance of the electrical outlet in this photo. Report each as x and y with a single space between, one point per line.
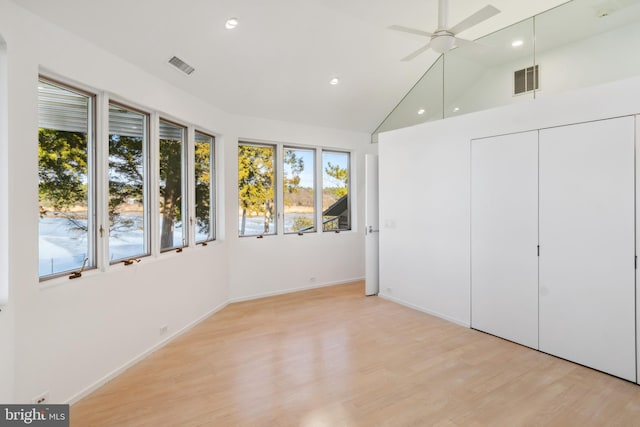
164 329
41 398
312 280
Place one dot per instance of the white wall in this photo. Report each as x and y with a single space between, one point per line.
425 192
424 245
7 335
602 58
69 336
296 261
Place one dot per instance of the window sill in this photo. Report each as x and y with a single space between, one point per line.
61 280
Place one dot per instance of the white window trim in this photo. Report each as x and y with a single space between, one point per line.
350 187
319 149
104 177
317 201
187 148
277 153
212 187
99 186
94 130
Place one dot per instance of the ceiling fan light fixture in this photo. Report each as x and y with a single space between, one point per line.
443 43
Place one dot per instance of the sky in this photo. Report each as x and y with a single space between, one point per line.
307 155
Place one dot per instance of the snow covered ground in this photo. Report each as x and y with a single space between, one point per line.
63 245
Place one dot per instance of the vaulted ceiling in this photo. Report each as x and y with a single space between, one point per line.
278 62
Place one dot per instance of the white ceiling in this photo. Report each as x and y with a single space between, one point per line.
277 63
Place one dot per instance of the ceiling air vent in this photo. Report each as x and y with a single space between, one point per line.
181 65
525 80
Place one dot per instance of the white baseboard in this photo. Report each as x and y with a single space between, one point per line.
425 310
102 381
291 290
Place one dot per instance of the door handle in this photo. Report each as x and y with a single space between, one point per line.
371 230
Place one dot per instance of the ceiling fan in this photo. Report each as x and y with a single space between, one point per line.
444 37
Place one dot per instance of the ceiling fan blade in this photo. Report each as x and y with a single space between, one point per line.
464 42
416 53
481 15
410 30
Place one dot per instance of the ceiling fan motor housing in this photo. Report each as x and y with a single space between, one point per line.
442 41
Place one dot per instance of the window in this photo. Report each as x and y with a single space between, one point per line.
299 190
128 209
74 202
204 163
336 205
256 189
65 172
173 233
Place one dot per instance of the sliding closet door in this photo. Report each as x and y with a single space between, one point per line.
504 236
587 296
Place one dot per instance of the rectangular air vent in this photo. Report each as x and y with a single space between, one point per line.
181 65
525 80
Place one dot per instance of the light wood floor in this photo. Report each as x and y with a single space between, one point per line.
332 357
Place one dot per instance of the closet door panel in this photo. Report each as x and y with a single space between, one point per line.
504 236
587 285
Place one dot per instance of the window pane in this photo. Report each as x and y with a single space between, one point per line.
335 191
172 227
127 183
299 190
64 140
205 201
256 185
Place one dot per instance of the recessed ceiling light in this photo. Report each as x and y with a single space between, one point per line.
517 43
421 111
334 81
231 23
455 110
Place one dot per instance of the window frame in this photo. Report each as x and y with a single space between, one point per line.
282 189
93 261
184 185
213 182
276 165
349 187
97 176
279 150
146 182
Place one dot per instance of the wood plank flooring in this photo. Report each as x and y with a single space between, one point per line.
332 357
